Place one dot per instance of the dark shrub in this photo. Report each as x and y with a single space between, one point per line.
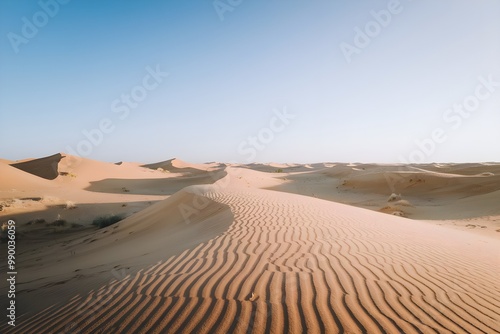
59 222
103 221
36 221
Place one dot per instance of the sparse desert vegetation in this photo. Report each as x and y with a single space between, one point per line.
394 197
70 205
162 170
67 174
50 200
36 221
58 222
104 221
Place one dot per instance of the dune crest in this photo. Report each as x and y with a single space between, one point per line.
46 167
178 166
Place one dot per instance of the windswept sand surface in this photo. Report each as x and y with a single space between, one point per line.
268 248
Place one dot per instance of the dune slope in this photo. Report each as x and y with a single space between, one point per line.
290 263
46 167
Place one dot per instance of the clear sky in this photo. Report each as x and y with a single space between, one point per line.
371 81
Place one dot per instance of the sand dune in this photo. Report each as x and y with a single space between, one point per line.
42 167
81 172
93 188
248 249
431 192
14 178
178 166
321 267
277 168
27 197
153 186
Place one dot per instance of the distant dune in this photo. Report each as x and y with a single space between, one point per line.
259 248
43 167
178 166
12 178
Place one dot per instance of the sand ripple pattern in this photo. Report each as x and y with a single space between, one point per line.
293 264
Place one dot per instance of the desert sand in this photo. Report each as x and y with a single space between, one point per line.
256 248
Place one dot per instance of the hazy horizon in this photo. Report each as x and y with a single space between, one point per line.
379 81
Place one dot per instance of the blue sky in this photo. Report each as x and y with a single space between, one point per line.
230 71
